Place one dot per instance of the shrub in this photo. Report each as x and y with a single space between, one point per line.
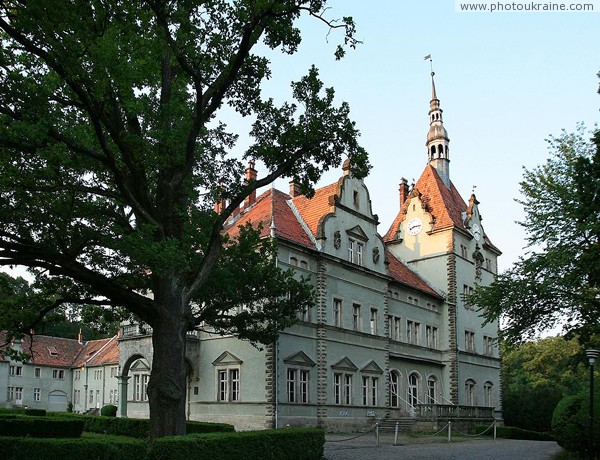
61 449
206 427
36 412
287 444
570 422
40 427
109 410
511 432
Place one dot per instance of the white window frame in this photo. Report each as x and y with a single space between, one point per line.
359 253
337 311
356 317
373 321
228 384
370 390
432 335
37 394
297 385
342 389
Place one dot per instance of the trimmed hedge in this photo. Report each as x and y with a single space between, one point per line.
285 444
110 410
511 432
137 427
40 427
36 412
61 449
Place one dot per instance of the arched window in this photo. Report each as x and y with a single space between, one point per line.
440 151
488 394
432 152
470 387
293 261
395 389
413 389
431 390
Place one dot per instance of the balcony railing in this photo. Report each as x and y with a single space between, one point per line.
435 411
138 330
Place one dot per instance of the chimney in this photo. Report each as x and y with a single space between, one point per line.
79 336
294 189
403 190
250 177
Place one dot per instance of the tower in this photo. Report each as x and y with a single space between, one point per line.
437 138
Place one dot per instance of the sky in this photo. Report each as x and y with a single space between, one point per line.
506 82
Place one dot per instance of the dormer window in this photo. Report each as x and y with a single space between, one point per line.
52 350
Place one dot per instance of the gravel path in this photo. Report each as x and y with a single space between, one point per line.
365 448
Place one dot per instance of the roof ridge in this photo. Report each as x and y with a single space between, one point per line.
303 223
99 349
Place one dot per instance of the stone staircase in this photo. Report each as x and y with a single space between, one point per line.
404 424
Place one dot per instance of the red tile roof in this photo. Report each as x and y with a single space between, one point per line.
314 209
404 275
98 352
446 205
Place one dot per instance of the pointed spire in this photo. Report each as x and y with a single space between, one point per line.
437 138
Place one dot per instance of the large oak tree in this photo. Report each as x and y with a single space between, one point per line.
113 153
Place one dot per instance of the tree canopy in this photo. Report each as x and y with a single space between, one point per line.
113 152
558 280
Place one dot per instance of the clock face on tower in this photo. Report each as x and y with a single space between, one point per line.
414 226
476 230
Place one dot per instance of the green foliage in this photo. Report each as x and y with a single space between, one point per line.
511 432
287 444
206 427
60 449
36 412
110 410
571 421
558 281
40 427
535 377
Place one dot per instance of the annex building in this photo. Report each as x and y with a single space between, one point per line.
390 336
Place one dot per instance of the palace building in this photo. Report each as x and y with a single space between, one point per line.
390 337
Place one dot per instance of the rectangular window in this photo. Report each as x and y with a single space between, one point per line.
350 251
140 387
91 397
337 312
468 290
16 371
394 327
432 337
488 346
470 341
37 394
297 386
58 374
369 391
342 388
37 372
359 253
228 385
463 251
304 314
15 394
413 332
356 320
373 321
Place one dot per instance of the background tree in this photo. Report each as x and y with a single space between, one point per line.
536 376
113 153
558 281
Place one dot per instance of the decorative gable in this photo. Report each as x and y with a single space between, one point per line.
358 233
372 368
299 359
227 359
345 365
140 366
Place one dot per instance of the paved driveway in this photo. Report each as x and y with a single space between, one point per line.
478 448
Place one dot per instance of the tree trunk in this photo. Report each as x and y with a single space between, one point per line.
167 385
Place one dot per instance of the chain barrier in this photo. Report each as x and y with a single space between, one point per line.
423 435
480 434
354 437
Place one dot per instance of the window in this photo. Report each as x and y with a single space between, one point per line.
116 396
356 317
394 327
488 346
463 251
140 387
37 372
350 251
15 394
488 265
37 394
470 341
114 371
413 390
98 374
16 371
413 332
342 388
394 389
431 333
337 312
297 386
431 390
470 392
76 396
488 394
359 253
58 374
369 391
77 374
91 397
111 396
304 314
355 198
468 290
228 385
293 261
373 321
304 264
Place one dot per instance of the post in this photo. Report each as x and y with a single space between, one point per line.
450 431
592 355
377 434
396 435
494 429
